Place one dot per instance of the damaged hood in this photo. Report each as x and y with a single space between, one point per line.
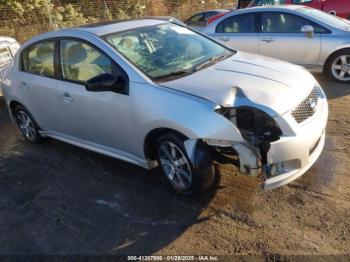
252 80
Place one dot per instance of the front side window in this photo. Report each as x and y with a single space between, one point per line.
276 22
237 24
164 51
39 59
81 62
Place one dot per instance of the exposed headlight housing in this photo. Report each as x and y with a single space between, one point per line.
253 123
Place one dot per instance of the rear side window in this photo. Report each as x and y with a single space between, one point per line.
207 15
276 22
244 23
39 59
197 20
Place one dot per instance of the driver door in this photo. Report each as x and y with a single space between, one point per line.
280 37
98 118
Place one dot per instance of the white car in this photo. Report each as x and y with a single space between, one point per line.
158 94
305 36
8 48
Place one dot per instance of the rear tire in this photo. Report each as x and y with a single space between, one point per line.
338 66
183 176
27 125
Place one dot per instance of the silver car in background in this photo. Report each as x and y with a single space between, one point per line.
158 94
316 40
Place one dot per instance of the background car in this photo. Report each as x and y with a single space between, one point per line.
158 94
8 48
201 19
314 39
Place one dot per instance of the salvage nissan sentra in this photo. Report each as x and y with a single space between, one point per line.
158 94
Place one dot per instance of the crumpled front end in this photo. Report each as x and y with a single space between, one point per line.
278 149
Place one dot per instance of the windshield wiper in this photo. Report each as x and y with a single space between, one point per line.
182 72
185 72
211 61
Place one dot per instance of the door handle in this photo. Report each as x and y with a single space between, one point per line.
66 97
268 40
24 85
224 38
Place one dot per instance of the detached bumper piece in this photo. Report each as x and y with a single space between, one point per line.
283 173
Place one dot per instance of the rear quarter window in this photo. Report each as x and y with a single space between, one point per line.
39 59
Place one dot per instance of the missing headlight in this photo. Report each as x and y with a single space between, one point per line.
254 124
256 127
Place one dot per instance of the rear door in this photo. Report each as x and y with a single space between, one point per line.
36 84
281 37
238 32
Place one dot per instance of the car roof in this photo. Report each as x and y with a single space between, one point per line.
274 8
105 28
266 8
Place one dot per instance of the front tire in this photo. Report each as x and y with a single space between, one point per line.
27 125
184 177
338 66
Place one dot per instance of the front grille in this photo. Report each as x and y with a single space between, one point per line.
307 108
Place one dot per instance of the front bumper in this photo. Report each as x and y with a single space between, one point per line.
300 151
293 174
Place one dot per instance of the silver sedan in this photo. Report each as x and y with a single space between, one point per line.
318 41
158 94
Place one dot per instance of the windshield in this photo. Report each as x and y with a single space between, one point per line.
326 18
167 51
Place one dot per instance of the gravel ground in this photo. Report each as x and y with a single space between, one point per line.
59 199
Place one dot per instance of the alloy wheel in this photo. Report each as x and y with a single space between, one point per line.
341 68
26 125
175 166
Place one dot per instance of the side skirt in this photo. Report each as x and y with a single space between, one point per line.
118 154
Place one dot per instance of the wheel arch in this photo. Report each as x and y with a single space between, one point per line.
341 49
13 104
149 145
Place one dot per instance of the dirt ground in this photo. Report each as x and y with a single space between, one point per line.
59 199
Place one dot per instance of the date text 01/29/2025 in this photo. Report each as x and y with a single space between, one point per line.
173 258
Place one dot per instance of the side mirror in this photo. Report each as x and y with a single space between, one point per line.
105 82
308 30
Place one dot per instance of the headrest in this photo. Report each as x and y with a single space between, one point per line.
76 53
44 52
